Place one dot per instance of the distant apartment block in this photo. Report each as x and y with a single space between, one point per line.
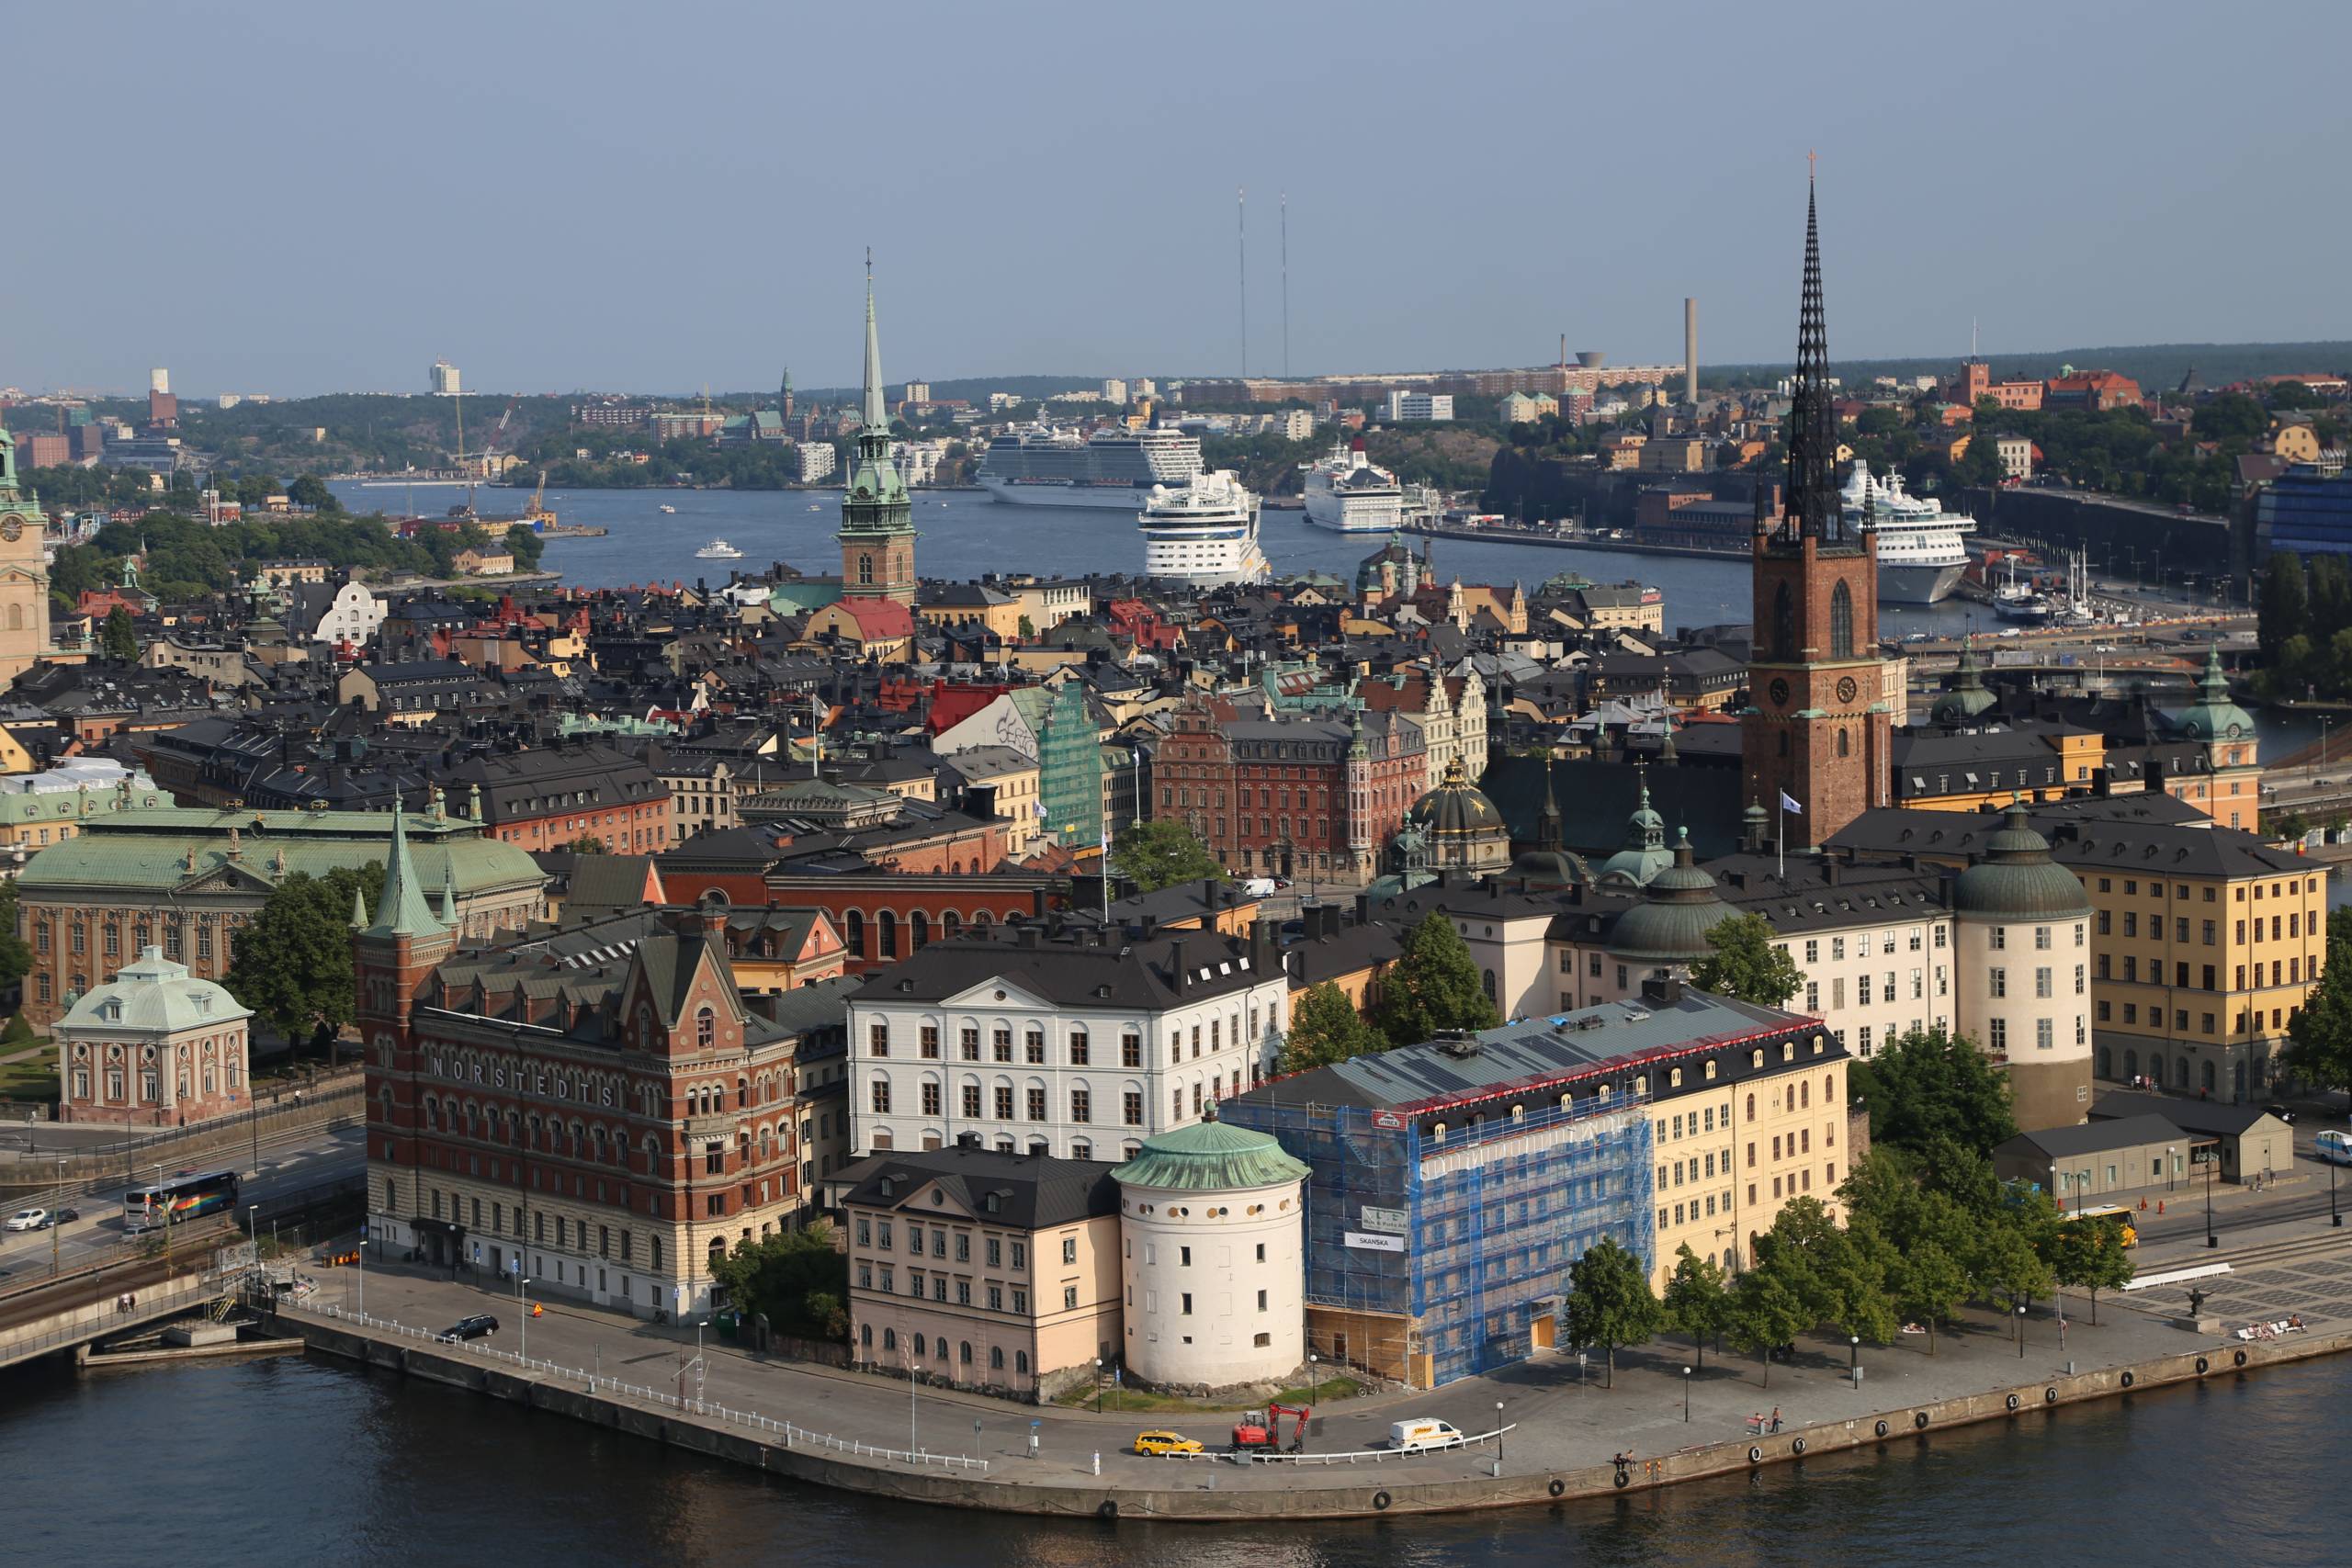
918 392
1526 408
1292 424
815 460
612 416
443 377
44 449
1114 391
2016 455
1418 408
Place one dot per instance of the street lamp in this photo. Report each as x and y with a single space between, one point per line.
1854 1359
1098 1385
2211 1239
1686 1396
2020 1331
2171 1168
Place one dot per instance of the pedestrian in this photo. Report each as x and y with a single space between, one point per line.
1776 1417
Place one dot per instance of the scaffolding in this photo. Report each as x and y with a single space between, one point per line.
1443 1245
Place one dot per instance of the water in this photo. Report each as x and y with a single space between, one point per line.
964 533
295 1460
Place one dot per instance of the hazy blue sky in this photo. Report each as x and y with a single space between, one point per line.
302 198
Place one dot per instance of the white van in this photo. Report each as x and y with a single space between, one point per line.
1411 1436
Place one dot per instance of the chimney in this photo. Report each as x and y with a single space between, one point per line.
1176 964
1029 936
1661 990
1690 351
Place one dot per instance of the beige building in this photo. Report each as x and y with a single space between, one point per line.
152 1048
24 570
1015 778
988 1270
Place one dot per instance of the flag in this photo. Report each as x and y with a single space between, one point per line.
1788 804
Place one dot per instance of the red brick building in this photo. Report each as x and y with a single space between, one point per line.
1290 794
2096 390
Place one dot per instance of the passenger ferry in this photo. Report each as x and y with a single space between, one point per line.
1348 493
1920 552
1114 468
1204 533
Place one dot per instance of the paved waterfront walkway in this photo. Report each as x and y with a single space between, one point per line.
1559 1420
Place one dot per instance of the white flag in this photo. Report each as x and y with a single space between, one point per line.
1788 804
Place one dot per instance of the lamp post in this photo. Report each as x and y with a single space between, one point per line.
523 1313
701 1368
1854 1359
1098 1385
2020 1331
2211 1239
1686 1396
1499 1437
2171 1168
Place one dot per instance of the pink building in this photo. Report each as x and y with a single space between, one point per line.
152 1048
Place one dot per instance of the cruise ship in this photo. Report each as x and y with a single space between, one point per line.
1346 493
1920 552
1203 532
1114 468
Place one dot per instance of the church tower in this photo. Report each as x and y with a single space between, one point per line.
877 530
392 958
24 571
1817 729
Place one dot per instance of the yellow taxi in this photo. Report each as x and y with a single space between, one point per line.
1165 1443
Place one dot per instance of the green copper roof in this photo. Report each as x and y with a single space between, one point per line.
1210 1157
2017 878
2215 715
183 850
401 912
876 416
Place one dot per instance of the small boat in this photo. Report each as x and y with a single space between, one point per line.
666 507
815 506
718 549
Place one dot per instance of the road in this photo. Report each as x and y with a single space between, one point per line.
288 1164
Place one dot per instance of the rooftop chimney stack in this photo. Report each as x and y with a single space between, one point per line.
1690 352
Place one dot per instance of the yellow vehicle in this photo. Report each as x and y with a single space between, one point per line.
1165 1443
2127 1232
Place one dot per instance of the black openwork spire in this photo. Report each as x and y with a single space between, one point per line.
1812 506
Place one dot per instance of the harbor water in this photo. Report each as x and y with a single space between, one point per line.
300 1461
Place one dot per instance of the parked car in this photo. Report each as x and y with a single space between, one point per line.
1165 1443
30 1219
481 1326
2280 1111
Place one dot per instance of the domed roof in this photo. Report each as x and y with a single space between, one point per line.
1967 697
154 995
1543 869
2215 715
1210 1157
2016 878
1645 854
1672 921
1456 808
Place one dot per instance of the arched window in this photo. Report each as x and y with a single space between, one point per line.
996 1357
922 1344
853 932
963 1351
1752 1107
920 928
1021 1362
1841 743
1804 1097
889 1339
866 1335
1841 623
1784 623
887 934
950 924
1490 983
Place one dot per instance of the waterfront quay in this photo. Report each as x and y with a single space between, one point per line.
1561 1428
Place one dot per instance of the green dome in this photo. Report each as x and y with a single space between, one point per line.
1645 854
1967 697
2017 879
1210 1157
1672 922
2215 715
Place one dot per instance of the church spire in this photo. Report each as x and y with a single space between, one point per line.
1547 820
1811 507
402 909
876 417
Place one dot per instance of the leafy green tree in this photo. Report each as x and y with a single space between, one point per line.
1325 1028
2319 1037
118 640
2003 1260
1432 987
19 1031
1696 1301
1765 1313
524 545
586 844
1162 854
15 957
1926 1284
1609 1301
1747 963
2090 1254
1838 1276
2293 395
795 1280
1927 1084
310 492
254 489
292 962
1027 628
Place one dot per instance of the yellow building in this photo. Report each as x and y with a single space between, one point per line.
24 570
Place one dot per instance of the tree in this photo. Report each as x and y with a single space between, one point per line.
1837 1276
19 1031
118 640
2003 1260
1326 1028
1432 987
1610 1301
2090 1254
1764 1313
1927 1084
15 958
524 545
795 1280
1747 963
1159 854
2229 416
1695 1303
293 959
2319 1037
1927 1283
586 844
2293 395
1027 629
310 492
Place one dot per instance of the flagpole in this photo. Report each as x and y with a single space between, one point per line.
1781 815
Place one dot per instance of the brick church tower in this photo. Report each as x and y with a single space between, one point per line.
877 530
1817 726
392 958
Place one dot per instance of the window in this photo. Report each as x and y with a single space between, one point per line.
927 1041
1999 1036
1841 627
877 1039
1131 1050
1131 1109
1185 1297
1036 1105
1078 1048
1999 981
1003 1104
1069 1249
1069 1298
881 1097
1081 1105
1034 1047
706 1030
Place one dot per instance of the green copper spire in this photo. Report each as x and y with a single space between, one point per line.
401 911
358 911
876 417
449 890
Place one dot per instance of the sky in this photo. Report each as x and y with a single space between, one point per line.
299 199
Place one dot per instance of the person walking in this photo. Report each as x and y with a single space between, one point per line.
1776 1417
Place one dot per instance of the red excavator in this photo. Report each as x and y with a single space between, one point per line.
1257 1431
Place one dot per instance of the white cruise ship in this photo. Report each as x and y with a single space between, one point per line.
1346 493
1204 533
1920 552
1042 466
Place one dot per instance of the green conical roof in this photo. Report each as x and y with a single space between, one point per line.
2215 715
1210 1157
401 912
1967 697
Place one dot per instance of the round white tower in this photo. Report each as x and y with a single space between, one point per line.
2024 978
1210 1223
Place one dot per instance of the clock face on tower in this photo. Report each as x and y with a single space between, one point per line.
1845 688
12 530
1780 690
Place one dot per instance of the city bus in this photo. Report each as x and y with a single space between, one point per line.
184 1197
2116 1211
2334 1147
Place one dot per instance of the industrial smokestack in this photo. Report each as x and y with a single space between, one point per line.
1690 352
